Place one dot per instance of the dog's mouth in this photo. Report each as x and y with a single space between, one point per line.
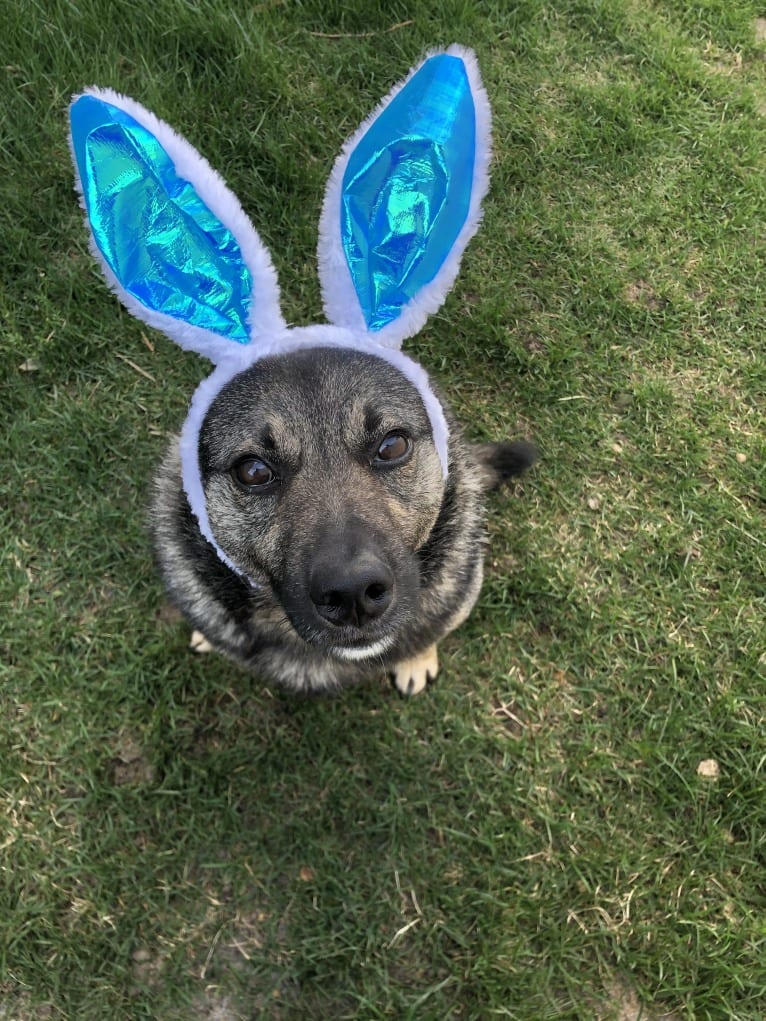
358 653
348 642
349 635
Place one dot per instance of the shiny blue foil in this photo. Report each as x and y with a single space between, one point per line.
407 188
161 241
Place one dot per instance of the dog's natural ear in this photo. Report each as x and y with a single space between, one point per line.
502 461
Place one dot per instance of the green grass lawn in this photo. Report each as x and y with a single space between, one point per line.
532 838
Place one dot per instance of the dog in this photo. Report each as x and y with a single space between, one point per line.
322 478
320 517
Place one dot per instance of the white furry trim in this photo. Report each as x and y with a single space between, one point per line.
266 317
341 302
188 447
285 343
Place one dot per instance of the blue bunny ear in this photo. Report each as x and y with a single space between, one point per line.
173 240
404 199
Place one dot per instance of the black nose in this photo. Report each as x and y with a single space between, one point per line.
351 593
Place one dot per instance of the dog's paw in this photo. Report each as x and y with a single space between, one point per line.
199 644
412 675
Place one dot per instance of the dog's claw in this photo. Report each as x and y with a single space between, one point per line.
412 675
199 644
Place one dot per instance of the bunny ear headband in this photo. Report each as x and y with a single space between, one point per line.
402 202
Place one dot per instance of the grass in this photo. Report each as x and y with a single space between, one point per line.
532 838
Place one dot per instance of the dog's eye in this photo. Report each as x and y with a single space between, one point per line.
252 473
393 450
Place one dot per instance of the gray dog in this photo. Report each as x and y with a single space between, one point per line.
320 517
323 481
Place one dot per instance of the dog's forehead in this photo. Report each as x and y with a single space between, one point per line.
288 395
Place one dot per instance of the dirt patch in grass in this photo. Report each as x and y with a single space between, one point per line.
210 1007
130 765
641 292
21 1008
621 1003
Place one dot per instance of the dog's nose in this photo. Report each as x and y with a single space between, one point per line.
354 593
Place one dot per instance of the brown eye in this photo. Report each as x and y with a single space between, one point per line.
252 473
393 450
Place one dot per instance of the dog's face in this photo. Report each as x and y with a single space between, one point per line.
322 480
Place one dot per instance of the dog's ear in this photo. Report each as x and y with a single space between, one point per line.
404 199
172 239
502 461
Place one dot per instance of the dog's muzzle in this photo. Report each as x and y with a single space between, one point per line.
350 592
354 593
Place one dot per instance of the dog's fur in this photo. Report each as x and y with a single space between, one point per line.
359 565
